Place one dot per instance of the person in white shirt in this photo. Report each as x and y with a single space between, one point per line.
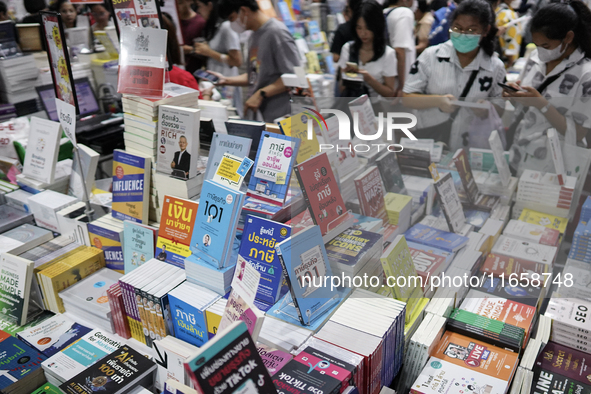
375 60
400 21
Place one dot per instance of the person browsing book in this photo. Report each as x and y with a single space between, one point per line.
67 11
182 158
554 87
374 60
272 52
463 66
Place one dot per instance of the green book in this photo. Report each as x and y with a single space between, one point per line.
47 388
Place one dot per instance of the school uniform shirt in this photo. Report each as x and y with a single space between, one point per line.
385 66
570 94
438 71
401 22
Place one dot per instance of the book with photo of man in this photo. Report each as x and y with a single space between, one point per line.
178 141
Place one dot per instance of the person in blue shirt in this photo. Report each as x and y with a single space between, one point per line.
440 28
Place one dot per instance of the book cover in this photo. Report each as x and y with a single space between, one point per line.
272 169
215 227
177 225
350 246
124 368
543 219
305 264
258 248
178 138
528 295
532 232
131 186
450 202
530 251
42 150
461 364
225 143
500 161
427 263
91 292
230 363
47 388
544 381
142 58
370 191
570 363
390 172
190 323
297 126
465 171
569 312
16 275
321 192
138 245
237 309
83 176
18 360
108 240
249 129
426 235
498 265
274 359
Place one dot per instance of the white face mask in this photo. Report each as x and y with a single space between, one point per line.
547 55
515 4
238 26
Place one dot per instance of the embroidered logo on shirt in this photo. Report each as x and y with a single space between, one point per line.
485 83
414 68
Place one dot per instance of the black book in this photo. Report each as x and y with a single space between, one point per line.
117 373
206 130
390 173
247 129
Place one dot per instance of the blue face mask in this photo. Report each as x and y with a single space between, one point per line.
464 43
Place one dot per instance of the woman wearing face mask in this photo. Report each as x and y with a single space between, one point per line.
554 86
509 36
463 66
67 11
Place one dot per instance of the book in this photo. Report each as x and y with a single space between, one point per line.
390 172
215 226
177 225
83 176
543 219
463 168
129 369
131 186
45 205
567 368
399 210
353 249
531 251
272 169
222 354
249 129
171 354
138 244
23 238
21 365
370 191
498 265
429 236
532 233
47 388
15 289
305 263
108 237
257 247
42 153
274 359
569 315
11 217
237 309
178 150
450 203
297 126
321 192
225 143
428 262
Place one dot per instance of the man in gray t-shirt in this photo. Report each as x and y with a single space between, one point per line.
271 53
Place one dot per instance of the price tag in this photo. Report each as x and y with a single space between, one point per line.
67 116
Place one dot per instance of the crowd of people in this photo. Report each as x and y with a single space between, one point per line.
421 54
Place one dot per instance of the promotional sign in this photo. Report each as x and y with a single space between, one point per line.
67 116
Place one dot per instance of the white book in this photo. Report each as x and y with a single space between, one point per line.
569 312
499 156
90 293
17 276
45 205
178 138
42 150
83 176
171 354
530 251
556 152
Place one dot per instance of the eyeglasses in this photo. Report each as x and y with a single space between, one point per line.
456 31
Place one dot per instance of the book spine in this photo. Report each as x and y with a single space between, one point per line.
144 316
305 195
166 321
140 313
130 304
290 286
113 308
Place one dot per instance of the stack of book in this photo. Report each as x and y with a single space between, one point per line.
120 322
532 233
586 210
429 261
21 365
543 189
63 170
11 217
45 206
570 326
282 335
581 246
88 299
579 272
399 209
171 354
354 252
106 234
18 78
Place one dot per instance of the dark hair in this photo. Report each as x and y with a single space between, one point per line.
213 22
172 42
437 4
226 7
423 6
3 8
481 10
34 6
58 4
554 20
354 5
373 14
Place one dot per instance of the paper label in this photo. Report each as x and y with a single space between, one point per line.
67 116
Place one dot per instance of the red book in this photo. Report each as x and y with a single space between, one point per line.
370 191
427 264
321 192
498 265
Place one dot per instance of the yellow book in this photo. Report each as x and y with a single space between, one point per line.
395 203
213 322
297 126
68 271
417 316
543 219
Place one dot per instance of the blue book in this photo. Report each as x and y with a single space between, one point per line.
188 303
18 360
272 168
138 245
53 334
305 266
225 143
258 248
131 186
215 226
430 236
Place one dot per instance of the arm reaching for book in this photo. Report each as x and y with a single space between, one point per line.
238 80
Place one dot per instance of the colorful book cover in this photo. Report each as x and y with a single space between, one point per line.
131 186
463 167
529 295
178 138
297 126
305 264
545 381
109 241
138 245
142 59
18 359
321 192
238 309
272 169
351 245
570 363
190 323
16 275
220 357
427 263
544 219
176 229
274 359
498 265
258 248
215 227
430 236
370 191
225 143
461 364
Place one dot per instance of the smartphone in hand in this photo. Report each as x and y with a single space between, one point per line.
509 87
202 74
